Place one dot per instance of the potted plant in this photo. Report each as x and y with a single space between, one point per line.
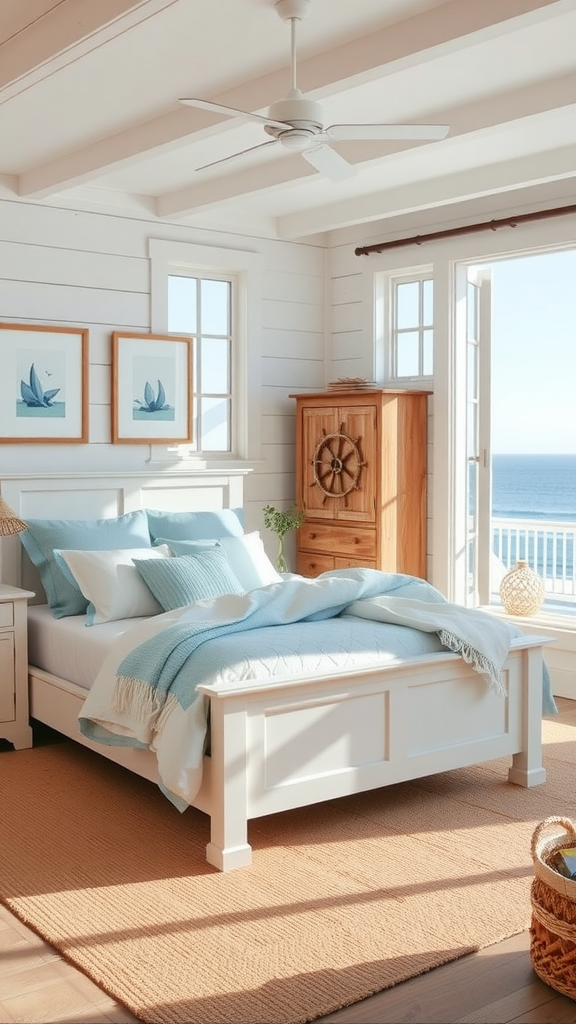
281 522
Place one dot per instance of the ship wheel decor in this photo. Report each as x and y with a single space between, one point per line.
337 464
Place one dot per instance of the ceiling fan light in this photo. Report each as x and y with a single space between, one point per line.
296 139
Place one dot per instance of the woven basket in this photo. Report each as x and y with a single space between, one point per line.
553 924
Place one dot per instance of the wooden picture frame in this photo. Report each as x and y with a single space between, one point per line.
43 384
151 388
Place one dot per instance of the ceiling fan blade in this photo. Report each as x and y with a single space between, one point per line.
329 163
234 156
219 108
385 132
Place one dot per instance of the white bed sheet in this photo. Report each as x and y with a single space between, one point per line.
67 647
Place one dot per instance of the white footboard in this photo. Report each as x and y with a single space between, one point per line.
291 743
299 742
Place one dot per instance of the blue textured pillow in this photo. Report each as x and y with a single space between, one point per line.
43 536
179 581
223 522
245 556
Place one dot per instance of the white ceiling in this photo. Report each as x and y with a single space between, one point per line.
89 111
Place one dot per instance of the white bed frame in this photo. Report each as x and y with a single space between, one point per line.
299 741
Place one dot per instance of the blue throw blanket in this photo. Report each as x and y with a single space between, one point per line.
146 694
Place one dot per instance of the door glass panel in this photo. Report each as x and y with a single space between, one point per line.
472 374
472 311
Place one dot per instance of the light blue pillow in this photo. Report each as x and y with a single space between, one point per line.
181 580
223 522
43 536
185 547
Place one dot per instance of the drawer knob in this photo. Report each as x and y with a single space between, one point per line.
312 536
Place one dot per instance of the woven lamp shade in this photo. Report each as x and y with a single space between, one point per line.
522 590
9 522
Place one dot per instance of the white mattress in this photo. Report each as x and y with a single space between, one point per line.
67 647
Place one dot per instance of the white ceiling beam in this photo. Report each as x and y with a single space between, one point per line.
509 175
123 149
64 34
421 37
453 26
237 183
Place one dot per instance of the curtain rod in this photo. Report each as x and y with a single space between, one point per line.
487 225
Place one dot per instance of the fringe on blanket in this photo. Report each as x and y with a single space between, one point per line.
473 657
140 704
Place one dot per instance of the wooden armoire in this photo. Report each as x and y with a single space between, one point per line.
361 480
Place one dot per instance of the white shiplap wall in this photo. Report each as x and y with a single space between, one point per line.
91 269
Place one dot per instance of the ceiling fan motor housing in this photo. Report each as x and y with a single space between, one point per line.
296 112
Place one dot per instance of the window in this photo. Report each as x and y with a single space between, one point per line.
214 295
202 307
412 331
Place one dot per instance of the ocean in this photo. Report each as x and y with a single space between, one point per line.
539 487
534 487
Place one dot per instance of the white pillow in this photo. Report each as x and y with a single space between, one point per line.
111 582
248 560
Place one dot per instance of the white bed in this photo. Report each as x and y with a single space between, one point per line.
297 741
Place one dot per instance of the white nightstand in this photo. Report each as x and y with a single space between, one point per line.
14 715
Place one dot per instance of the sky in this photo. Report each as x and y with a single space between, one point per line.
534 354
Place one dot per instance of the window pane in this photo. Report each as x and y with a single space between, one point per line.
215 299
407 354
214 424
428 353
427 302
215 362
407 304
182 317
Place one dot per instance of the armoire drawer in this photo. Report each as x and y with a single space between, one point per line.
312 563
357 541
354 563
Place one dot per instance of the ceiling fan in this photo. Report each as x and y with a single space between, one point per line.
296 122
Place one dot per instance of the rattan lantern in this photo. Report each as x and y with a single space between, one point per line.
522 590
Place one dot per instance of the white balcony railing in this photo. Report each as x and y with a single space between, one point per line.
548 547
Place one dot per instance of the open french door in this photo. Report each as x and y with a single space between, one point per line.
472 555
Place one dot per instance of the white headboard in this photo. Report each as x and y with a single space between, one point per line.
102 496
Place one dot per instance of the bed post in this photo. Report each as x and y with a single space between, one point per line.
527 767
228 847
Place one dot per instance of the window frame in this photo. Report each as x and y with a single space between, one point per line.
198 390
418 275
384 322
244 270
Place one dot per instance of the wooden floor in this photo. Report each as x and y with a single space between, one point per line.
494 986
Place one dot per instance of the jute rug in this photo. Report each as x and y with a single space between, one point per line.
343 899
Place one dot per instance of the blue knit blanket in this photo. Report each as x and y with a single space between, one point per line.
146 693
